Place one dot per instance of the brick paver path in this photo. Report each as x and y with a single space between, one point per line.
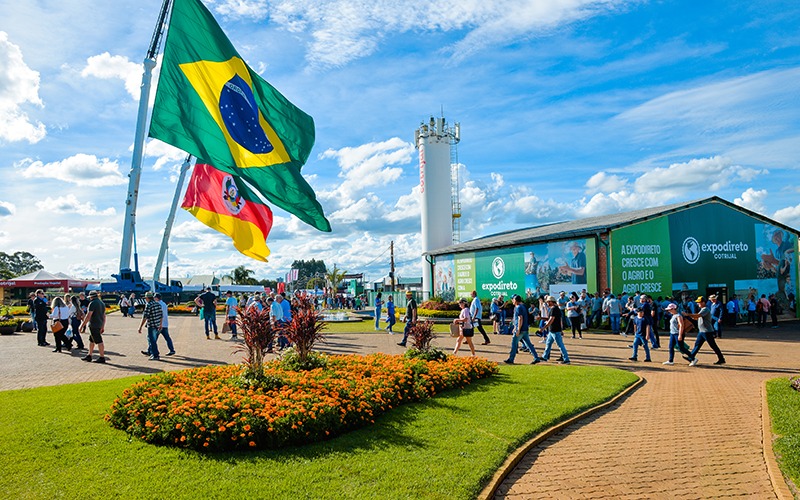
687 432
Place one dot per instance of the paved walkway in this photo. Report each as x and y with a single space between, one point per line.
688 432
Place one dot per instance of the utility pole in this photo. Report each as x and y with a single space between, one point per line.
391 263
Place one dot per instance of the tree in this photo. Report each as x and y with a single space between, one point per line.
17 264
242 276
308 270
335 276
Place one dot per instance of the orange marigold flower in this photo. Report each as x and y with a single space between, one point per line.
252 443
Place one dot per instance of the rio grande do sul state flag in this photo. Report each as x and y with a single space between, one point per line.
211 104
222 202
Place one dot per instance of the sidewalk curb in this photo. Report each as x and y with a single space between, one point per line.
511 462
782 491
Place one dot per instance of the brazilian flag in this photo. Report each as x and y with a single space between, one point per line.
211 104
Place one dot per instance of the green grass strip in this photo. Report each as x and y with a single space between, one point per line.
784 411
54 443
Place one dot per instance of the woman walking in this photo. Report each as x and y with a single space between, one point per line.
575 315
465 320
75 318
390 319
60 314
378 304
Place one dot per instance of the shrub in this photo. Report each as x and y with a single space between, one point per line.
429 313
432 354
305 329
421 334
290 360
258 335
207 409
439 305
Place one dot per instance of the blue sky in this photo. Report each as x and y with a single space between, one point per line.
568 109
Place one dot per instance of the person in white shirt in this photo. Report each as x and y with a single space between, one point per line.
476 311
60 313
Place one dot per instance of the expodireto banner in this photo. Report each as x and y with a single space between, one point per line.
704 247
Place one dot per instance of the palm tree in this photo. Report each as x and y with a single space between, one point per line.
242 276
335 276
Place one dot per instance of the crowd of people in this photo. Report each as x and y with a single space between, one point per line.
68 317
638 315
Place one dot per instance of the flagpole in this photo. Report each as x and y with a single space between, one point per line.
170 219
129 226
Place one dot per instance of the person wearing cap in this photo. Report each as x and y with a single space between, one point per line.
152 316
641 335
705 333
410 317
519 323
466 331
554 326
678 326
96 319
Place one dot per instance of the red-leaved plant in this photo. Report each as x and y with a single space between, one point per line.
305 329
258 335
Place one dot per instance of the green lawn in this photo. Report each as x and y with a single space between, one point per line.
784 410
368 326
54 443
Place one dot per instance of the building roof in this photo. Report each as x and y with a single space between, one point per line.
591 226
42 275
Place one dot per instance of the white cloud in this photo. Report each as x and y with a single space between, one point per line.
344 30
82 169
105 66
788 215
165 154
7 208
697 174
603 182
407 206
255 9
753 200
367 166
71 204
18 85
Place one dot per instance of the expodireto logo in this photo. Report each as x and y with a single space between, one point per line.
727 250
498 267
690 250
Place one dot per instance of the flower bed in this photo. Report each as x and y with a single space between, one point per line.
210 409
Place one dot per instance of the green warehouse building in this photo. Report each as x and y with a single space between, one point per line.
681 250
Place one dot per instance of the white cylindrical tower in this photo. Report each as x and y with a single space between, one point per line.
434 141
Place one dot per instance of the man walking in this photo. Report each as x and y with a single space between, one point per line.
231 304
554 326
164 327
410 317
152 316
475 312
96 319
716 309
705 333
40 317
208 301
520 325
